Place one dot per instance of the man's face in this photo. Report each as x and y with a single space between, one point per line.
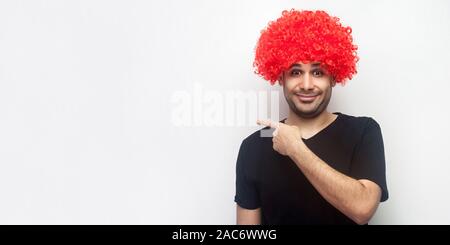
307 89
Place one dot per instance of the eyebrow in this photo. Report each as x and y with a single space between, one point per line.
316 64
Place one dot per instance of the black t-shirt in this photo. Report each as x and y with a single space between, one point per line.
273 182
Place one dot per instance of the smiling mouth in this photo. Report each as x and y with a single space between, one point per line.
306 97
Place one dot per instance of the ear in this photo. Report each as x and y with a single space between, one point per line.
333 82
281 79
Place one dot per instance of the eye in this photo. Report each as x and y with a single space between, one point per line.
296 72
317 73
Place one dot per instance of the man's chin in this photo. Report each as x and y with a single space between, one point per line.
307 113
303 110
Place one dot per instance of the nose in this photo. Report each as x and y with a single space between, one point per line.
307 83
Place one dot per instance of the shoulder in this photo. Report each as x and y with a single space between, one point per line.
355 128
257 139
253 149
359 122
258 143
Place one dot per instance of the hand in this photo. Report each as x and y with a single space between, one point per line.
286 139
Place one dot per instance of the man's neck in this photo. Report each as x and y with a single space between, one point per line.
310 126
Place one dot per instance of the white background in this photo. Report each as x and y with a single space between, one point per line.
85 109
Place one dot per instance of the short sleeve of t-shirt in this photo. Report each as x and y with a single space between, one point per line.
368 161
246 189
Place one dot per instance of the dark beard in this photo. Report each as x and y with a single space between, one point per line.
322 106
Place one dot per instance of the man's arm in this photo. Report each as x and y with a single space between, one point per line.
248 216
357 199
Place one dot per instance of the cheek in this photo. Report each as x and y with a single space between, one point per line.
289 88
290 85
324 86
326 93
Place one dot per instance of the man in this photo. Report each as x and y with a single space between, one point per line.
319 167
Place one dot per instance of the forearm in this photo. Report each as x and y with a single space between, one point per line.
248 216
348 195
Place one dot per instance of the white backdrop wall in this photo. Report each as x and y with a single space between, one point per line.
88 93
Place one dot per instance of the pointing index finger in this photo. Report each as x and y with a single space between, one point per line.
268 123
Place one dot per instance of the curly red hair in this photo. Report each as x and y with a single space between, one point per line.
306 36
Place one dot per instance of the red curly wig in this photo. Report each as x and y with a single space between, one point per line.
306 36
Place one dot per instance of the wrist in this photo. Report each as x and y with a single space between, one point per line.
296 149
